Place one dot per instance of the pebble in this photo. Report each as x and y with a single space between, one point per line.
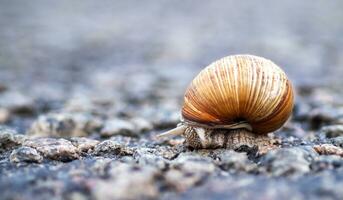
187 170
64 125
118 127
150 159
159 157
332 131
301 109
84 144
25 154
10 138
127 182
5 115
324 115
328 149
327 162
111 147
162 117
233 161
325 185
100 166
16 102
54 149
141 124
337 141
292 162
80 103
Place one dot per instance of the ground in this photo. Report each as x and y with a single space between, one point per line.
86 87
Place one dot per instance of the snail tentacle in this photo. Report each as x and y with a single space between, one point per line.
173 132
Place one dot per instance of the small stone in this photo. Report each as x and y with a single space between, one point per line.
53 125
100 166
10 138
84 144
167 152
118 127
149 159
187 170
65 124
233 161
25 154
337 141
16 102
77 196
141 124
185 161
328 149
113 148
163 118
79 103
128 182
289 161
324 115
55 149
4 115
157 157
301 109
326 162
332 131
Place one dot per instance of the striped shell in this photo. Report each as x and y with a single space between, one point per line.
240 88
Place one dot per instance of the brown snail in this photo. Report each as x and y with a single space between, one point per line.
235 100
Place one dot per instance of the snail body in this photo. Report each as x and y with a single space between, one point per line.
239 93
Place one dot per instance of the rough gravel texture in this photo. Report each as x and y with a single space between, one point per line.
85 88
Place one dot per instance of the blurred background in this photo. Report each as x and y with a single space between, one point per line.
47 40
136 51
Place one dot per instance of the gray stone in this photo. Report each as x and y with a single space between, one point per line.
338 141
332 131
10 138
150 156
301 109
79 103
187 170
65 124
55 149
111 147
5 115
152 160
233 161
191 162
16 102
25 154
100 166
162 117
324 115
327 162
84 144
127 182
141 124
288 161
118 127
328 149
321 186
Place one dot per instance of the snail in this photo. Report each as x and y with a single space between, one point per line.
237 100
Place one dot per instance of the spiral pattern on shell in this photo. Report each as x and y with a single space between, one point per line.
240 88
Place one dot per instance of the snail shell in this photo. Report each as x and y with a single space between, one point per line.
235 92
241 88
